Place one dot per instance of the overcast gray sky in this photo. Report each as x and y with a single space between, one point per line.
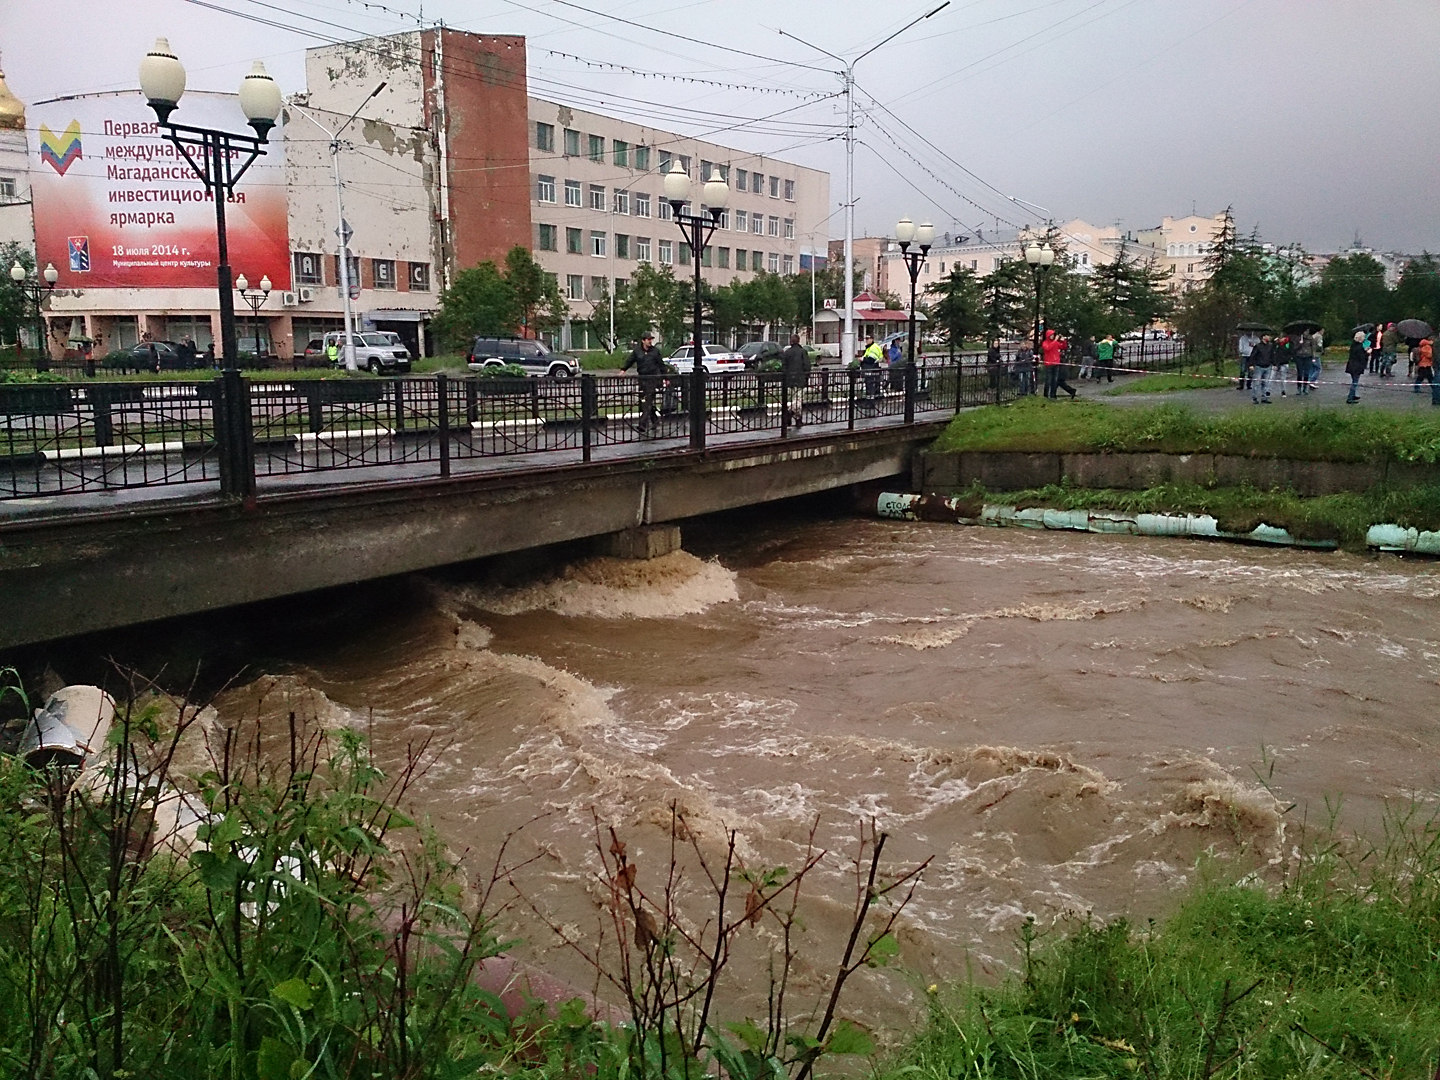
1315 119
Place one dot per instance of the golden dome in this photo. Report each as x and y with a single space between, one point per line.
12 111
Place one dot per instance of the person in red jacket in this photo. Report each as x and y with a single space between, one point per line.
1052 349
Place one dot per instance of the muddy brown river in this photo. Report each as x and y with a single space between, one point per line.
1065 724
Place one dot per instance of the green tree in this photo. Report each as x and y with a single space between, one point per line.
1351 290
1009 296
480 301
1417 296
15 310
652 301
959 309
538 302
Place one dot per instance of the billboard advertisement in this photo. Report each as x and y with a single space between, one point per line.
117 206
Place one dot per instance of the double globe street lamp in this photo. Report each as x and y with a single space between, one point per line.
697 230
906 233
218 158
36 291
255 298
1040 256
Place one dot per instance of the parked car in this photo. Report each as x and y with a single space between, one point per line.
533 356
716 361
154 356
314 354
757 352
374 352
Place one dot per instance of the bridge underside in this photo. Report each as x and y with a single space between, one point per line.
70 576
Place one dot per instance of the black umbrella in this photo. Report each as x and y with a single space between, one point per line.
1363 328
1413 328
1302 326
1258 327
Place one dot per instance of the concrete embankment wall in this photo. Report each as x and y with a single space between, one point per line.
953 471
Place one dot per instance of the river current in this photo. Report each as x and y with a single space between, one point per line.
1064 724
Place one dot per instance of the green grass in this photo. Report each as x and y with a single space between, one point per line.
1332 973
1035 425
1168 383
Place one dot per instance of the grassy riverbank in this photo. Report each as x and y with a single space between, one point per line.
1332 974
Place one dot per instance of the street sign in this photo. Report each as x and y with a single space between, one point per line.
354 292
829 304
344 232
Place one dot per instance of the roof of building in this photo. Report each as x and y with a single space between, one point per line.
12 109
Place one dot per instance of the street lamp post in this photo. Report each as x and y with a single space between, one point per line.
255 298
697 230
1040 257
218 158
36 291
907 233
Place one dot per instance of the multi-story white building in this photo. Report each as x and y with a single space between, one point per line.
599 210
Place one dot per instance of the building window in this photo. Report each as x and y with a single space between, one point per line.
705 167
642 248
621 285
740 259
597 148
682 254
757 261
575 241
787 264
773 226
642 158
620 151
757 224
309 269
352 267
621 202
574 287
572 142
544 136
382 272
665 159
597 197
742 180
597 289
666 210
642 204
685 165
707 256
774 260
757 183
419 277
545 189
667 248
7 187
597 244
722 258
545 237
572 192
789 190
742 221
974 264
724 222
622 246
774 187
1084 258
1190 269
789 228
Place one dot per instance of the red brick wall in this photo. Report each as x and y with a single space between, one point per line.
487 143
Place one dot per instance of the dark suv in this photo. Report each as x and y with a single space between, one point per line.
757 352
533 356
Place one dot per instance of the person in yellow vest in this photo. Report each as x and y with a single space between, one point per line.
332 351
870 363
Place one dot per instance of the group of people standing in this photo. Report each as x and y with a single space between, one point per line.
1094 359
1266 364
1375 351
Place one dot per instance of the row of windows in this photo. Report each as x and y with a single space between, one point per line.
309 269
1201 248
628 156
668 252
638 203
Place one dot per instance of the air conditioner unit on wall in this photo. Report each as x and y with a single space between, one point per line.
306 295
287 299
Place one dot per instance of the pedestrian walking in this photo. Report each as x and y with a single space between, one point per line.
1262 357
1247 350
1389 347
1425 369
1105 358
1284 350
649 368
1304 359
1318 361
1356 365
795 363
1052 353
1024 369
1086 349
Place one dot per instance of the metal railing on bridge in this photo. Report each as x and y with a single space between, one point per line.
234 435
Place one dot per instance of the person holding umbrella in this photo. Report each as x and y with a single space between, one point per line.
1413 331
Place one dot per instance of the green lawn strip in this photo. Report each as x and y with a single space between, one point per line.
1166 384
1035 425
1330 973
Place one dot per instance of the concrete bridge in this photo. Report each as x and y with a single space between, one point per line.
69 573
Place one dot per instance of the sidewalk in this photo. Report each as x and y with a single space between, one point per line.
1392 394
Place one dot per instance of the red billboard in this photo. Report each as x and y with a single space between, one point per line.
118 206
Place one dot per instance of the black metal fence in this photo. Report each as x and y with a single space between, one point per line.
238 436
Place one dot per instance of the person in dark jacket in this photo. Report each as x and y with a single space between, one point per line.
649 365
1262 357
1356 365
795 362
